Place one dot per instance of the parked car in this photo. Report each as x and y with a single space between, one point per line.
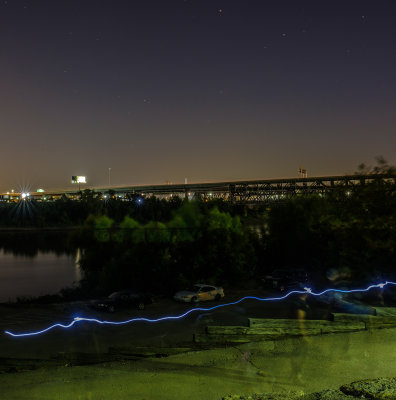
286 278
122 299
200 292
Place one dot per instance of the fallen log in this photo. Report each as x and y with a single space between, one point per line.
386 311
299 329
205 338
291 323
261 331
368 319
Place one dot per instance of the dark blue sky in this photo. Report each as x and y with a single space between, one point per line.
204 89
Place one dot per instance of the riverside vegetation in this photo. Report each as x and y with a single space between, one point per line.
163 245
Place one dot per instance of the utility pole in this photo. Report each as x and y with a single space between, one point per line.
109 176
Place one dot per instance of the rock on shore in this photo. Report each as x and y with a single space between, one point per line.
380 388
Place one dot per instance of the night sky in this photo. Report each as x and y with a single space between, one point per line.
201 89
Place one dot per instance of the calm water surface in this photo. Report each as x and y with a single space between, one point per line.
45 273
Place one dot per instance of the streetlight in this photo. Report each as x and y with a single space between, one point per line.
109 176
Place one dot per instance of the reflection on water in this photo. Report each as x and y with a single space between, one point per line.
46 273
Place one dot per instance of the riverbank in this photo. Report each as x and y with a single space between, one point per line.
42 229
298 365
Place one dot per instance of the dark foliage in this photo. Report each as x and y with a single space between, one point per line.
160 245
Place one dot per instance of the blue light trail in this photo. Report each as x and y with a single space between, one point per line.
306 290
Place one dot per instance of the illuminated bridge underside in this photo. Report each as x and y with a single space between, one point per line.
246 192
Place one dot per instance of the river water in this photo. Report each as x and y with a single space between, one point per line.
45 273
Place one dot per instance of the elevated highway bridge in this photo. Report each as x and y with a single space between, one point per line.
245 192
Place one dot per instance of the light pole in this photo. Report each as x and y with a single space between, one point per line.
109 176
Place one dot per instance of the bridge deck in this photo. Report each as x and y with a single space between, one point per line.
249 191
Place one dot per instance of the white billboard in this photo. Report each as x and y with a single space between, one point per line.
79 179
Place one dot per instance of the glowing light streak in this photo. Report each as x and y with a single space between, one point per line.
306 290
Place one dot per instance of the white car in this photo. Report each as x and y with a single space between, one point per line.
200 292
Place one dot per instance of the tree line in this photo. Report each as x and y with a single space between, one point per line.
161 245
